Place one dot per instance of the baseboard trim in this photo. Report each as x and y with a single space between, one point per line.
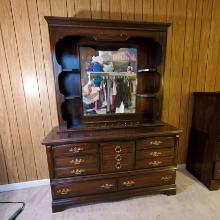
24 185
181 166
35 183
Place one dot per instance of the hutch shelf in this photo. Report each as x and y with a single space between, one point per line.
110 143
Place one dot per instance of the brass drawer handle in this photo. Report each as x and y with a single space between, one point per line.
128 183
155 153
107 186
77 171
118 149
157 143
166 178
154 163
77 161
118 157
63 191
75 150
118 165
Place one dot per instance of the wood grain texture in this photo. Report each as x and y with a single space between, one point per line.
191 65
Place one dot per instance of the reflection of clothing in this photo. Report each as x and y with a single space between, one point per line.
90 93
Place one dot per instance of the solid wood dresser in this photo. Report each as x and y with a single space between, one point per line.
103 165
203 159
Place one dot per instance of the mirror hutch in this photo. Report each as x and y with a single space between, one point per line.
110 143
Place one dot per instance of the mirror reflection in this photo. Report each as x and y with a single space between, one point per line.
109 80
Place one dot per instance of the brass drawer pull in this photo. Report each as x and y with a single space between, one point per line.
154 163
166 178
63 191
75 150
118 149
118 157
157 143
77 161
77 171
118 165
107 186
155 153
128 183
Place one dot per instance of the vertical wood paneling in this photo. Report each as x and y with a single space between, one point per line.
127 10
96 9
167 71
83 8
105 9
16 82
138 10
30 81
148 10
9 101
212 60
188 52
204 42
3 170
115 9
27 86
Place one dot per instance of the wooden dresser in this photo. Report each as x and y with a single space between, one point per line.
110 143
203 159
99 165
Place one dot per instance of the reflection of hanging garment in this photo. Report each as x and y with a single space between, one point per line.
120 92
90 93
114 93
109 85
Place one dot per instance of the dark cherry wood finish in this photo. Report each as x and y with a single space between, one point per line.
110 157
203 159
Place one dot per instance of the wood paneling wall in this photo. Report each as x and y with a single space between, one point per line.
27 98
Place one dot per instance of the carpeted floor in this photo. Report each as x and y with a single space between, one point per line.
192 202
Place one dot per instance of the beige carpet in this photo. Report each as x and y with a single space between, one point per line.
192 202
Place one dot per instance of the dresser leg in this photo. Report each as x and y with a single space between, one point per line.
170 192
57 208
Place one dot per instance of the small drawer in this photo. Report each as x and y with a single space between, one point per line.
83 188
75 171
156 142
154 153
81 161
218 151
117 162
217 170
156 162
147 180
112 148
74 149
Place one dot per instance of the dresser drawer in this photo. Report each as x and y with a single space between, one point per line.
152 153
74 149
82 161
217 170
117 162
156 142
75 171
112 148
83 188
147 180
154 162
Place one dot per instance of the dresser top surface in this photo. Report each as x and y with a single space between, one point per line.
55 137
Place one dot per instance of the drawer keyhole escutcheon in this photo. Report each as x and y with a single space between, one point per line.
155 154
154 163
63 191
77 161
118 157
118 149
118 165
75 149
107 186
157 143
166 178
77 171
128 183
